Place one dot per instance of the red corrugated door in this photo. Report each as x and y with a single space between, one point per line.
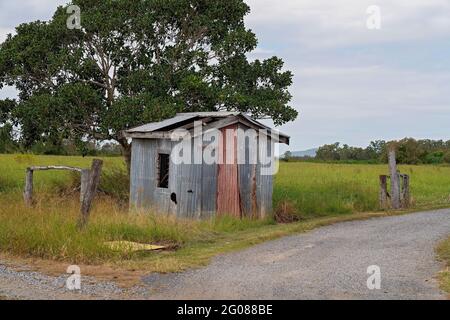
228 202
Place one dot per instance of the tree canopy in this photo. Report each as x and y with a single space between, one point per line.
134 62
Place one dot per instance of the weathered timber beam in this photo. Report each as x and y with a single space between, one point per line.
28 192
383 192
89 193
43 168
395 180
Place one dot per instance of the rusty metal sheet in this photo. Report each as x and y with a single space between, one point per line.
228 198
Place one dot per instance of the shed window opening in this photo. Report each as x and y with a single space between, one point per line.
163 170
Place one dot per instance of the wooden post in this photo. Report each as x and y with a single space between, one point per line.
395 183
94 180
84 183
28 192
383 193
406 198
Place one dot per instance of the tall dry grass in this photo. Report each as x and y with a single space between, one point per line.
49 229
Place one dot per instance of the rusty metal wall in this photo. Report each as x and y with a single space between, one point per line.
228 197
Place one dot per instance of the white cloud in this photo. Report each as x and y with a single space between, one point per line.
324 23
4 33
361 88
12 13
358 104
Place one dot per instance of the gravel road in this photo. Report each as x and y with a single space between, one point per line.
29 285
327 263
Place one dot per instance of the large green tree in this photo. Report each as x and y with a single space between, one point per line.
137 61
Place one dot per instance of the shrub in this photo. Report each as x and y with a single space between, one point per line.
114 182
285 212
434 157
447 157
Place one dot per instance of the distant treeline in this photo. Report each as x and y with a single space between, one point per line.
409 151
11 144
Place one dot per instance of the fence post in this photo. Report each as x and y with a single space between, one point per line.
383 192
28 192
84 183
395 183
91 189
406 198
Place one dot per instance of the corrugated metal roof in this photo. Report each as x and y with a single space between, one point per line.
218 114
182 118
224 114
150 127
246 116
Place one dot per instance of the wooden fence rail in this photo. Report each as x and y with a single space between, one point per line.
42 168
90 179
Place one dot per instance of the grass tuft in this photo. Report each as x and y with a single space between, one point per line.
285 212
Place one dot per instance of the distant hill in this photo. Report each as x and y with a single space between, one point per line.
306 153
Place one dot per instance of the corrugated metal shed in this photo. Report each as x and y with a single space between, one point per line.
202 190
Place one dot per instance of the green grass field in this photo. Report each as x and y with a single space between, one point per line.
313 189
318 193
12 170
317 189
443 251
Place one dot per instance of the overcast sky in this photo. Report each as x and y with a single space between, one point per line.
351 84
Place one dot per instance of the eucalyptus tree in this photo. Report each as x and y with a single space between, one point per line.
137 61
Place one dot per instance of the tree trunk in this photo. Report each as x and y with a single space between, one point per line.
126 152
